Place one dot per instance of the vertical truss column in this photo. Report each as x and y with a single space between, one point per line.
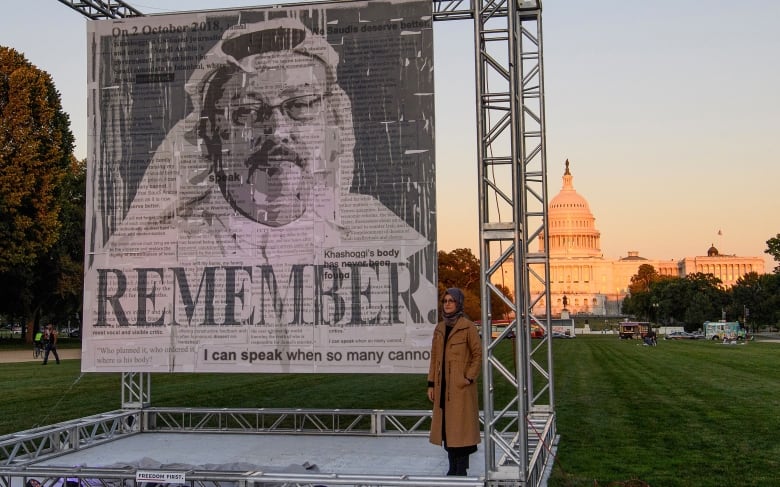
535 269
136 390
518 397
136 386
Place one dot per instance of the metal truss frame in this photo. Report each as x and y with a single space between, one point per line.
99 9
518 398
136 390
126 477
19 452
26 447
519 425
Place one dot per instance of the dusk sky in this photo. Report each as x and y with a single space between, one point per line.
669 112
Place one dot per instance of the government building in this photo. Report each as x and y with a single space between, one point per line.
594 285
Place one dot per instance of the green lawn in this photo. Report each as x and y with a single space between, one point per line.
692 413
685 413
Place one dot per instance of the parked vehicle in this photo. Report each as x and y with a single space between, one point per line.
498 327
558 334
682 335
633 329
723 330
537 331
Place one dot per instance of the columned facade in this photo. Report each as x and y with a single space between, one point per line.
727 268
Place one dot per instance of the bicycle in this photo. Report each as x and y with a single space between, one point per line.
37 350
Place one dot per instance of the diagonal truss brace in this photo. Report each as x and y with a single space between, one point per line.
99 9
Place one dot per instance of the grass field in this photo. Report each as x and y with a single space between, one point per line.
685 413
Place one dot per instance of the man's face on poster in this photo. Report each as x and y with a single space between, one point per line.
273 138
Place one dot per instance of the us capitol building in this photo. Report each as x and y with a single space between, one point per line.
596 286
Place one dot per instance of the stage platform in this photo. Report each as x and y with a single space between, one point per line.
234 448
332 454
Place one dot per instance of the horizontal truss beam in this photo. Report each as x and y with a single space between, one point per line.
98 9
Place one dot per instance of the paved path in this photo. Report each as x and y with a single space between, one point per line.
9 356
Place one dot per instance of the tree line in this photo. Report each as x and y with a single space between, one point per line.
461 268
42 195
691 300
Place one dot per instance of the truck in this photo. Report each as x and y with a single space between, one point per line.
498 326
633 329
724 330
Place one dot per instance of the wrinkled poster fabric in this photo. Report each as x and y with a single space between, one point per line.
261 191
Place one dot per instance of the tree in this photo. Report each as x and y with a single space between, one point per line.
498 308
461 268
698 311
639 302
672 296
640 282
755 298
706 299
65 261
692 300
36 147
773 249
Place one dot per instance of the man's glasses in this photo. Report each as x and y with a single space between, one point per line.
447 300
302 108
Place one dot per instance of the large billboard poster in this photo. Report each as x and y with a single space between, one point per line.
261 190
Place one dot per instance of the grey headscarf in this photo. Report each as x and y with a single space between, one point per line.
457 295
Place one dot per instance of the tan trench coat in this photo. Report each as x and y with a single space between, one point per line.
464 360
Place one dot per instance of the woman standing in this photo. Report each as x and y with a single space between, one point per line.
456 358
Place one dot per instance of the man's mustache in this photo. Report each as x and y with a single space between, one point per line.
268 157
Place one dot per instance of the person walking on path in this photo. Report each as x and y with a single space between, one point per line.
38 343
50 342
456 359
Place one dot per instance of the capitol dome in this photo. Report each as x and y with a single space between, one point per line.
572 226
